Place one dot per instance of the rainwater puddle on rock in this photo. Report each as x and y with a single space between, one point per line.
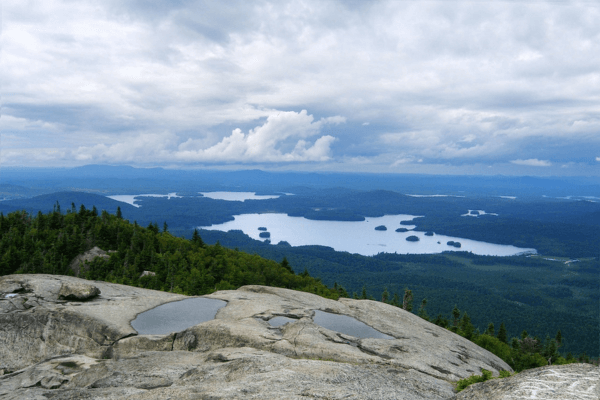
347 325
279 321
176 316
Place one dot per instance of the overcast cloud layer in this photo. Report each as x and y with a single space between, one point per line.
478 87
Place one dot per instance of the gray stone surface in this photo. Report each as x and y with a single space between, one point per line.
79 263
560 382
77 291
37 324
73 349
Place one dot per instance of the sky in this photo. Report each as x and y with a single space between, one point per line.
416 86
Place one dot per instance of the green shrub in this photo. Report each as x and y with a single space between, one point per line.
485 376
463 383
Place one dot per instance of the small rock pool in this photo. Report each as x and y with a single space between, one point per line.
176 316
338 323
347 325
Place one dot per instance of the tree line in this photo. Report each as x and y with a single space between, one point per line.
48 243
520 353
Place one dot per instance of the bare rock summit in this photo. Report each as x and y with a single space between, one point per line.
68 338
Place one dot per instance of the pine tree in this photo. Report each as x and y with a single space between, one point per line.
285 264
441 321
363 294
422 312
407 301
395 300
558 338
455 315
490 330
467 327
502 335
384 296
550 350
119 213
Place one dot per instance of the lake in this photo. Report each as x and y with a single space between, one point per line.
131 198
357 236
227 196
237 196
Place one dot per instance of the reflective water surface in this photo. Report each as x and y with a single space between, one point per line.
357 236
237 196
347 325
131 198
176 316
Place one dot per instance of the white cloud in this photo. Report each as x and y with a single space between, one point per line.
142 148
466 82
598 159
532 162
263 144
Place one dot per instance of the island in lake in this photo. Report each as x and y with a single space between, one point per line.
412 238
454 244
381 228
401 230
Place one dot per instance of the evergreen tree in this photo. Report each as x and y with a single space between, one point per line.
119 213
441 321
502 334
363 294
558 338
515 344
490 330
285 264
395 300
407 301
550 351
384 296
422 311
467 328
455 315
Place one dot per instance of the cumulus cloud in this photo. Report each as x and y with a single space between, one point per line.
532 162
262 144
598 159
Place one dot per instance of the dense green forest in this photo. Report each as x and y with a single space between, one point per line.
48 243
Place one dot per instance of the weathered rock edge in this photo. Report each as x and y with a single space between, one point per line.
560 382
43 338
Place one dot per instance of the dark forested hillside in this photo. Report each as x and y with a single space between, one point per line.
48 243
